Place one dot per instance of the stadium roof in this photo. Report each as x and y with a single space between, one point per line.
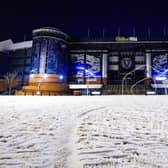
8 45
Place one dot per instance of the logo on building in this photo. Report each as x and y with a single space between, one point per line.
126 63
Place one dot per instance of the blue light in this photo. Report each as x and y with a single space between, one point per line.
160 78
80 68
162 75
89 72
165 71
61 77
45 76
31 75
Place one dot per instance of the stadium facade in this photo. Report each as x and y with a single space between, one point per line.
53 64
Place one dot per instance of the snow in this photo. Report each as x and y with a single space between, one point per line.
84 132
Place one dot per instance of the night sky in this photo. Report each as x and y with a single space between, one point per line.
74 17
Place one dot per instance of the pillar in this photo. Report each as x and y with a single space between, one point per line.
104 68
148 65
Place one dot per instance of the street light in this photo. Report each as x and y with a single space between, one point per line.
61 77
129 73
44 76
131 89
31 75
87 93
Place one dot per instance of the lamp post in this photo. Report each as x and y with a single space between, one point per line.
44 76
87 90
131 89
129 73
38 89
165 82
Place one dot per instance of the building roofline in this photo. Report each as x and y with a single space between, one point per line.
4 45
8 45
20 45
118 42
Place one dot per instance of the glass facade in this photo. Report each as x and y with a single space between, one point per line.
48 56
120 63
89 62
55 57
85 66
36 56
20 61
160 64
4 64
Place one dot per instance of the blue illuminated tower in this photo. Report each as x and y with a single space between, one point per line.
49 52
49 63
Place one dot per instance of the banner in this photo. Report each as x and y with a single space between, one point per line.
160 64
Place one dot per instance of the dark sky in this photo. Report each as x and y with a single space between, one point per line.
74 17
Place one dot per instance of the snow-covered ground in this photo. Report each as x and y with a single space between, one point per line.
84 132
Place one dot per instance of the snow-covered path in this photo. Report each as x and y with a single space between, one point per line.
84 132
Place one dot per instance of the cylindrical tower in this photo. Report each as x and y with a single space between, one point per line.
49 63
49 52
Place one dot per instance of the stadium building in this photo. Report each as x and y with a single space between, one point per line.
55 64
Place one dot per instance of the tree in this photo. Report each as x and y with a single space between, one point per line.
10 79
